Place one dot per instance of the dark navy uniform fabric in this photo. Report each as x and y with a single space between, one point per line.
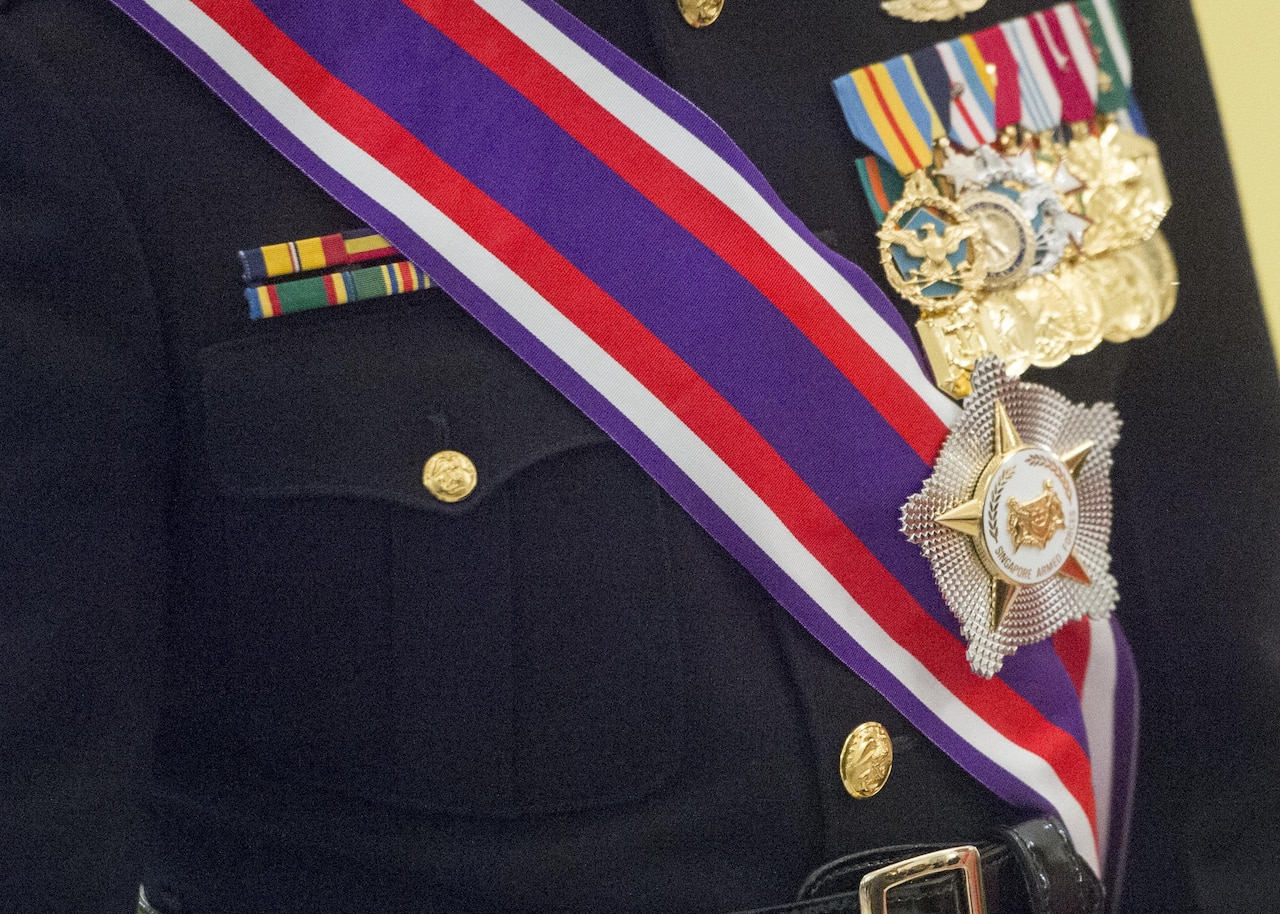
249 658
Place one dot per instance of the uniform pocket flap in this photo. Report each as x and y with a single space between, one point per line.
356 407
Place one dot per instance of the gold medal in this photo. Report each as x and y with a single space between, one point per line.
926 249
1005 234
953 341
1080 319
1009 328
931 10
1141 285
1125 196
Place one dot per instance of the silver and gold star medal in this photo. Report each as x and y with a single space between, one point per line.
1016 518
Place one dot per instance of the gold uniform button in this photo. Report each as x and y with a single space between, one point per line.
449 475
700 13
866 760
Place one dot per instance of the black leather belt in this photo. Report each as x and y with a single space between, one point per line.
1029 869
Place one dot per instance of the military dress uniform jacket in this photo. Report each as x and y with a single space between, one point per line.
248 658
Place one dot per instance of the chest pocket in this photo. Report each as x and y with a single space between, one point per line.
507 654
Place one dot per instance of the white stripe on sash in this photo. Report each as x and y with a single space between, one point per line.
1097 700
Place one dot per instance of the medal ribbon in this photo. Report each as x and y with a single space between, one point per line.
882 186
1068 58
1113 54
1041 103
937 84
973 106
1003 68
617 240
887 108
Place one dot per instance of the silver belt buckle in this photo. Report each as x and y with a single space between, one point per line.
873 891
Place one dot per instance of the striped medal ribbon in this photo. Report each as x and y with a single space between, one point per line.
889 110
618 241
1041 102
973 92
1115 69
1069 58
1002 66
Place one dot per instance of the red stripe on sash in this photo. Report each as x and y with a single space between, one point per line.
693 207
685 392
1072 644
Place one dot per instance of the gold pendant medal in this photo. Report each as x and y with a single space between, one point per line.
930 254
926 251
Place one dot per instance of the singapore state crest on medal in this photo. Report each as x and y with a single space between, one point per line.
1016 518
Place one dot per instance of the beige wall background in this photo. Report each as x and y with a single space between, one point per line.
1242 42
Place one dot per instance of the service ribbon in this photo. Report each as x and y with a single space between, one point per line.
335 288
1002 65
1068 57
320 253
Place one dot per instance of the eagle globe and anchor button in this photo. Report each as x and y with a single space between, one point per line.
1016 518
449 476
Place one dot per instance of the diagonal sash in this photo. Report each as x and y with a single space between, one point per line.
618 241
